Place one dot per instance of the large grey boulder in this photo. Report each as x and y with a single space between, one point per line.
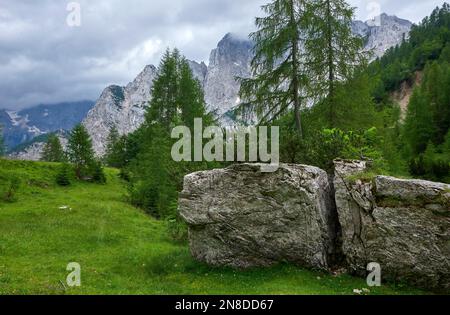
241 217
404 225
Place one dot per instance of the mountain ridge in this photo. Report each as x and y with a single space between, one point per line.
124 107
230 59
24 125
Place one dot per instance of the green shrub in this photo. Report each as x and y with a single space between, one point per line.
10 195
321 148
124 174
63 178
98 173
146 197
431 165
440 169
417 166
177 229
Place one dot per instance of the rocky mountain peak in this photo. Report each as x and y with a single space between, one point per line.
120 107
199 70
229 61
382 32
139 91
232 48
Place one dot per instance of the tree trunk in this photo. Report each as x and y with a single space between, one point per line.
295 81
330 67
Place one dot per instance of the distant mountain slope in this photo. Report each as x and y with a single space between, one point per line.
33 149
23 126
122 107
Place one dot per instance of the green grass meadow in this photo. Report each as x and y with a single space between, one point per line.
121 249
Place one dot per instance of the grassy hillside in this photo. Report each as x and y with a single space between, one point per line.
121 250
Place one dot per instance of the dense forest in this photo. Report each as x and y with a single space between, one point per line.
320 89
422 138
369 124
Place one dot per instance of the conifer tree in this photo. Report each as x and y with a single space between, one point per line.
53 151
177 98
190 96
115 155
278 80
163 105
64 175
113 138
418 129
80 151
437 86
97 172
332 52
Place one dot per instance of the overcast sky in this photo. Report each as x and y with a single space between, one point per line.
44 60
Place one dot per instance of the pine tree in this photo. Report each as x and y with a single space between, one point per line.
190 96
80 151
153 184
418 127
278 78
115 155
113 138
98 173
53 151
177 98
332 52
436 83
64 175
163 107
354 108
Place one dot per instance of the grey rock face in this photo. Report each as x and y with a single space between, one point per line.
33 152
231 59
404 225
382 33
122 107
199 70
242 218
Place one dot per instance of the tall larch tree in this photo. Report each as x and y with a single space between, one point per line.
191 98
278 81
53 150
177 98
332 52
418 127
79 150
115 149
164 102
